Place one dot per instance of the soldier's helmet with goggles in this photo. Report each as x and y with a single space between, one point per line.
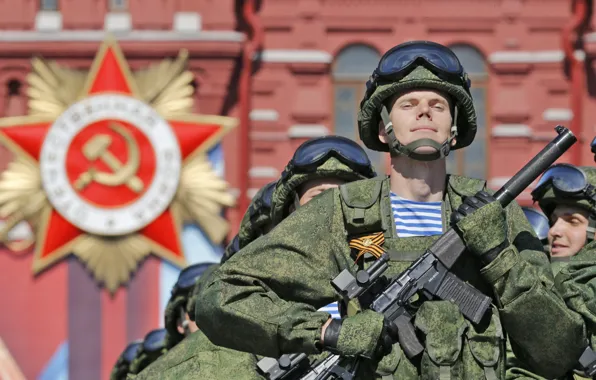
255 223
417 65
154 345
323 157
122 366
565 184
179 300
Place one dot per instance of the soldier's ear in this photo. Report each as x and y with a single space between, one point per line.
382 133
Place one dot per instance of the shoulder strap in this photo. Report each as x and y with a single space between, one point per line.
361 206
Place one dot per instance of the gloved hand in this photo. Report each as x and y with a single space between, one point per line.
365 334
480 221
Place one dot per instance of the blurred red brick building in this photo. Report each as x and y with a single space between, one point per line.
308 81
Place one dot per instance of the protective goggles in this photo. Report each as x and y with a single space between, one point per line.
566 180
398 62
539 222
131 351
314 153
155 341
188 277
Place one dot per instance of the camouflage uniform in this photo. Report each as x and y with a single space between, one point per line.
575 277
267 297
181 293
195 357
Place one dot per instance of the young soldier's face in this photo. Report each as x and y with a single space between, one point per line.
567 234
420 114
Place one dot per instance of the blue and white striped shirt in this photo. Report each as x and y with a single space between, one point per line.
411 219
416 218
332 309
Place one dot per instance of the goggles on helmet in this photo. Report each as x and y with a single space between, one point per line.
398 62
566 181
188 277
155 341
312 154
593 148
539 222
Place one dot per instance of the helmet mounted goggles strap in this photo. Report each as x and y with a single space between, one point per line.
441 150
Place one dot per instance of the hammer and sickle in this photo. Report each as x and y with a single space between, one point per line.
97 148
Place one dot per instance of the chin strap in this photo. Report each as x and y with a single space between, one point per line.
441 150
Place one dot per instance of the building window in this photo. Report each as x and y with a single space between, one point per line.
351 69
48 5
117 5
15 103
471 161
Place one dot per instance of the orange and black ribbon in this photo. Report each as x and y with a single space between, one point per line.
369 243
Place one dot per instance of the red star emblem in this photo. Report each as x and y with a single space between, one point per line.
25 136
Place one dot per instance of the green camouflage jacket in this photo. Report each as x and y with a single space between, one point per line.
576 281
197 358
266 299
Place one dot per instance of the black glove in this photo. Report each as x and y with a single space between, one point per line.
482 224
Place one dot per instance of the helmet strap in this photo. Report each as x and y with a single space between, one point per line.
395 147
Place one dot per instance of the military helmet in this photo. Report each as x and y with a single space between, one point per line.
417 65
122 366
255 222
179 299
232 248
257 219
154 345
565 184
323 157
550 197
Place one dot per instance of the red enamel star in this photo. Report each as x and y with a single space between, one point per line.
109 74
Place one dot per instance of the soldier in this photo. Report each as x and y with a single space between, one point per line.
196 357
256 221
154 345
565 194
266 298
122 366
301 181
177 321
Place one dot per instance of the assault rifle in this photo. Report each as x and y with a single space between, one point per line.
298 367
587 362
429 275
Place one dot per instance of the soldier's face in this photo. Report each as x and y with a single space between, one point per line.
420 114
567 234
311 189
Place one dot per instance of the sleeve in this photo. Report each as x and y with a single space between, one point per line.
544 333
266 298
577 285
